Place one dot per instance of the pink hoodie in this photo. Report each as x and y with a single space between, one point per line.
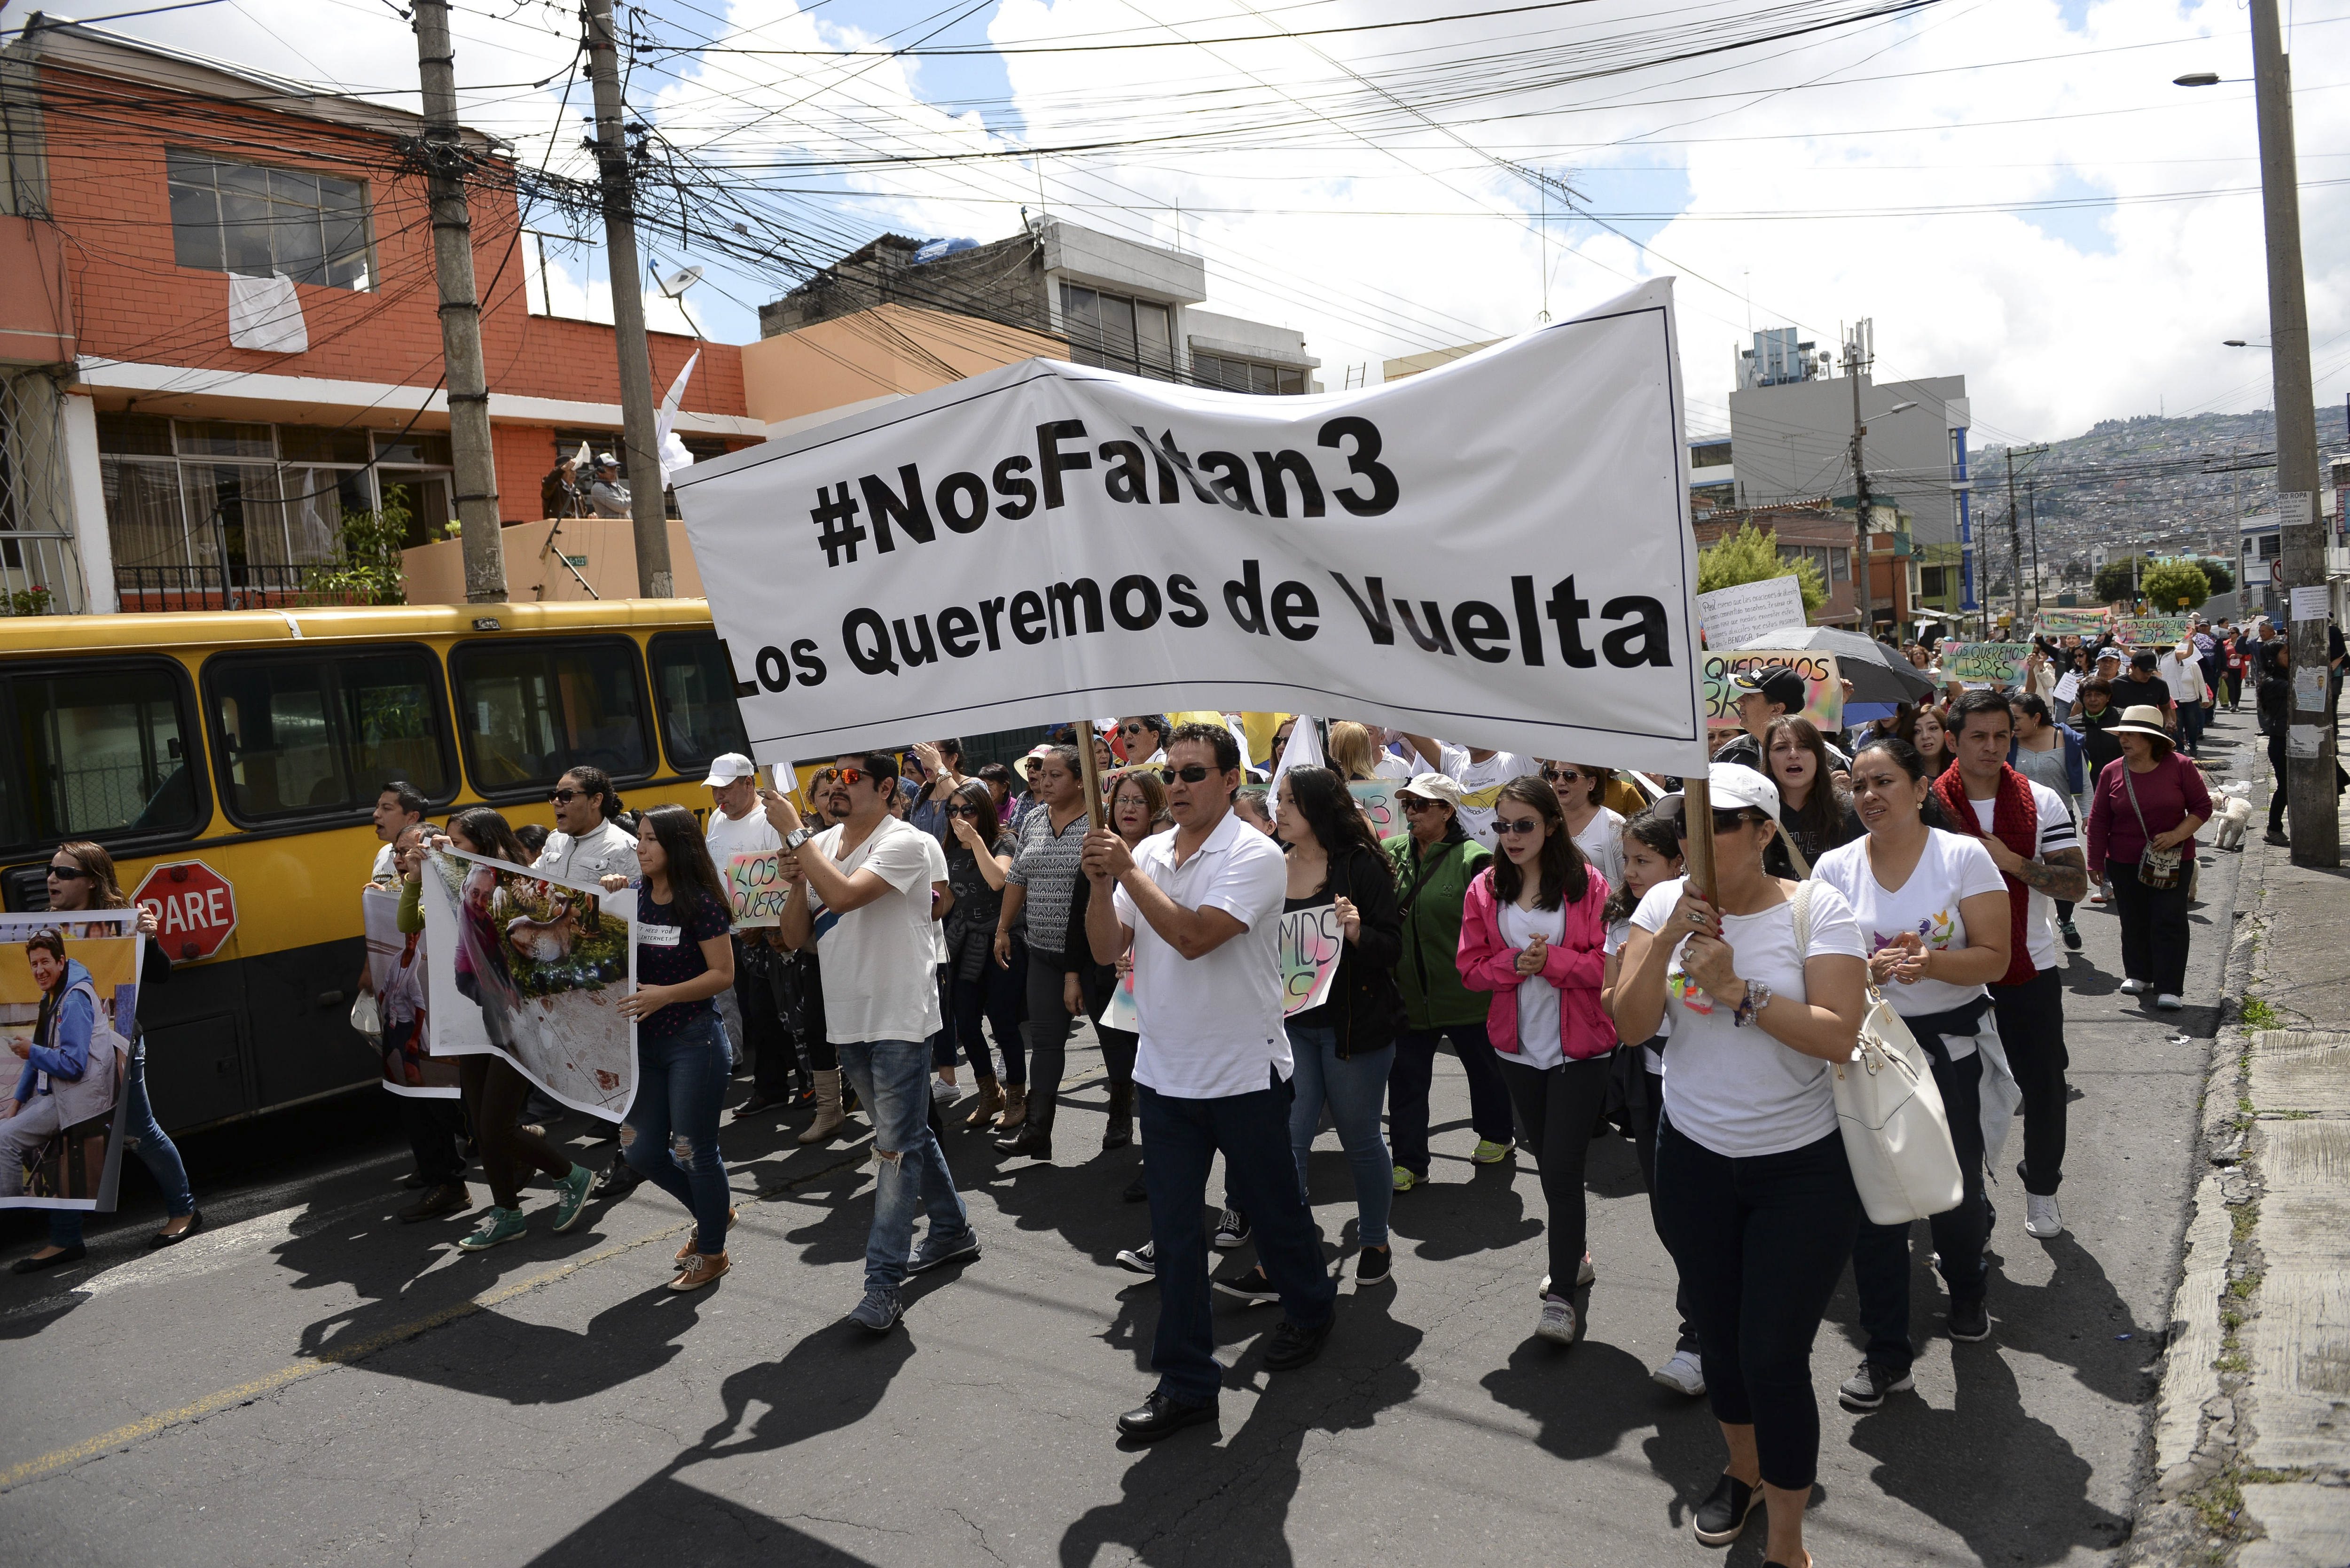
1575 965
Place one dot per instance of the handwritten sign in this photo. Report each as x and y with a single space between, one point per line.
2150 631
1377 799
1823 685
1312 943
1740 614
1985 663
755 887
2053 624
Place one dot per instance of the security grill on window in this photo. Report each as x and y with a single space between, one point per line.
1246 375
260 220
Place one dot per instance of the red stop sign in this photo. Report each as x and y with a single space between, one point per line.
195 908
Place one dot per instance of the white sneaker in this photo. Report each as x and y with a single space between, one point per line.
2133 987
1584 1275
2168 1003
1684 1374
2041 1221
1558 1322
943 1093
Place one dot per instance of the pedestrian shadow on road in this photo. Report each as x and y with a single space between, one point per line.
2077 1320
1191 1500
1452 1220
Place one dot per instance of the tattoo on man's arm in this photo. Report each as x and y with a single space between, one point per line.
2061 874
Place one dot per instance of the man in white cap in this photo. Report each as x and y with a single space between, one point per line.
739 826
607 495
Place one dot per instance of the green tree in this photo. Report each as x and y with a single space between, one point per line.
369 570
1752 555
2218 574
2115 578
2174 586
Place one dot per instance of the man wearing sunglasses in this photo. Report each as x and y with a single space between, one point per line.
1144 736
1201 910
861 894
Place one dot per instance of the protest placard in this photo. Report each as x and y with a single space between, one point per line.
1984 664
1312 943
1822 684
398 973
2156 631
1047 540
2053 624
61 1147
1377 799
532 969
1742 613
755 888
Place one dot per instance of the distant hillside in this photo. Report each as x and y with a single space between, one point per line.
2162 487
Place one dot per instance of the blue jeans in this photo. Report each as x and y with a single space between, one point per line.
145 1135
670 1134
1353 1088
1183 1137
892 1080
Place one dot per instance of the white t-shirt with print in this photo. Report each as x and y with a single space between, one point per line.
1602 843
730 836
1538 1038
1738 1092
879 981
1480 785
2057 831
1951 869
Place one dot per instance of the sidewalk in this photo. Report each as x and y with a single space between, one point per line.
2252 1440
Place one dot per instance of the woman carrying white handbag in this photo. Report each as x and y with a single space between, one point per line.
1933 909
1754 1190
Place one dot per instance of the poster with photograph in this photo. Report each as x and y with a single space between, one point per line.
532 969
755 888
1823 685
396 969
68 1008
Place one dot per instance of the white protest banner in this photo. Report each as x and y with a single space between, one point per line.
1733 616
532 969
755 888
68 1107
1497 551
1312 943
397 972
2070 687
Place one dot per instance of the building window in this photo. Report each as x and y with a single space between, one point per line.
1246 375
259 221
1833 562
1116 332
1929 582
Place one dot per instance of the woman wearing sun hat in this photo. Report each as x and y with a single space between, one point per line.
2151 799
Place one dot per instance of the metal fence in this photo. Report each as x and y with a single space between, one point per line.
222 586
40 572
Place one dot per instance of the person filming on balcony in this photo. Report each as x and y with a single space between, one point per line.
607 494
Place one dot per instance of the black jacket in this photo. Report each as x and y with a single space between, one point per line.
1364 1006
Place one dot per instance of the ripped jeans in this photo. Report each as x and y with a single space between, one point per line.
670 1134
892 1080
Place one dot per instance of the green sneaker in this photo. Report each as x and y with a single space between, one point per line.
1488 1152
572 1200
501 1225
1404 1179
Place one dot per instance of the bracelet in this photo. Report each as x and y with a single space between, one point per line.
1758 997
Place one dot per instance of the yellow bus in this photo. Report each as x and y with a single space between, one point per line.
249 747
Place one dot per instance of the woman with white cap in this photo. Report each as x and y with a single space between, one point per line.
1752 1180
2143 817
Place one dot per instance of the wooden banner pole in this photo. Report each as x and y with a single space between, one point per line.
1697 818
1097 815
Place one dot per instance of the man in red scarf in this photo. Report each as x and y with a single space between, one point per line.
2030 831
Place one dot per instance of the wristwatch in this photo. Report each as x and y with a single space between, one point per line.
1758 997
797 836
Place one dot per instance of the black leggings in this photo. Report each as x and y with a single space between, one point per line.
2279 765
1047 1030
495 1091
1559 1107
1761 1243
1646 1110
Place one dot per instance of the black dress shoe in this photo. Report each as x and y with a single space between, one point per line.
167 1239
756 1103
412 1180
73 1254
1293 1347
1162 1414
1027 1141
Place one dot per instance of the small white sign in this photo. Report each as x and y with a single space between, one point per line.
2311 604
2309 690
1734 616
2305 741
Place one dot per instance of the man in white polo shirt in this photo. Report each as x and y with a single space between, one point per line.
739 826
1201 908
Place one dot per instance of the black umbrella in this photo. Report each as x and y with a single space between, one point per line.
1877 673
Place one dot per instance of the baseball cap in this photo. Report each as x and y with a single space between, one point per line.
1434 786
727 768
1729 785
605 460
1776 682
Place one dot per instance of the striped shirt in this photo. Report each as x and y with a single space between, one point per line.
1046 866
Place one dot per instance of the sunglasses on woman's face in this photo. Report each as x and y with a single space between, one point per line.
1195 774
1524 825
69 873
1562 776
1414 806
1731 821
962 811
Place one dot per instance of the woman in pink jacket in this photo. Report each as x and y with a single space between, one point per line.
1534 932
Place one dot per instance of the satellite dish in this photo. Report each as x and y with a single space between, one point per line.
677 283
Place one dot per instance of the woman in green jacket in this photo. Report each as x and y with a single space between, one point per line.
1434 863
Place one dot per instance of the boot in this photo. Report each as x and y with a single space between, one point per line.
1015 1107
1036 1139
990 1101
827 1108
1120 1131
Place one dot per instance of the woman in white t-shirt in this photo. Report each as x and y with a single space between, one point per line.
1932 909
1597 831
1757 1196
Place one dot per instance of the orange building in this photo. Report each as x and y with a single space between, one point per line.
220 330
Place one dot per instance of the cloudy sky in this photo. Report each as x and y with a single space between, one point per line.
2013 189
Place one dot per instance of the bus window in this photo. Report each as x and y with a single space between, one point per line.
695 689
304 734
97 752
528 710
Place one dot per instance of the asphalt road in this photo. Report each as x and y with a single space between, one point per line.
312 1383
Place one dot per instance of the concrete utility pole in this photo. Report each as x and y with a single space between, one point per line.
2031 514
1864 576
2309 762
646 512
2015 537
468 387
